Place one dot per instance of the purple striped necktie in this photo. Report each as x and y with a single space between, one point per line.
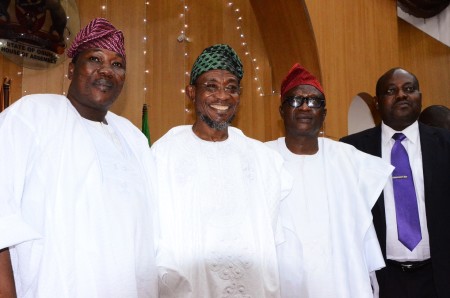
406 209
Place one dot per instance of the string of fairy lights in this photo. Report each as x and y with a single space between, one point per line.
144 41
64 66
245 46
236 11
104 8
144 50
183 37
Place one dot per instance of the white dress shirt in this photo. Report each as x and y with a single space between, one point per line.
395 250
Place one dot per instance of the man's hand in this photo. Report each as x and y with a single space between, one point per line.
7 286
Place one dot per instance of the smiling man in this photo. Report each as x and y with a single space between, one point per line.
76 185
331 247
418 266
219 192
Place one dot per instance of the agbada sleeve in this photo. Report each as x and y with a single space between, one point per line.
372 252
17 149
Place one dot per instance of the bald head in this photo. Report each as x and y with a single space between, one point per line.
387 75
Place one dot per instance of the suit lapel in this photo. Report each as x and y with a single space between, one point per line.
374 141
373 147
428 145
430 164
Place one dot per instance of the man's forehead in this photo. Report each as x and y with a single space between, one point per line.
400 76
217 75
101 50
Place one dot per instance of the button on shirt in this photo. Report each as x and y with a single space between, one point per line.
395 250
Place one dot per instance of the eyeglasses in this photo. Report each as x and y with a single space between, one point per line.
311 102
213 88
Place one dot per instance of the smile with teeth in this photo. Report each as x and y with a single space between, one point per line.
220 107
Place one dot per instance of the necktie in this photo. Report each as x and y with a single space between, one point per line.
408 224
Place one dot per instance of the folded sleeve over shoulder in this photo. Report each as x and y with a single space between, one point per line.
17 147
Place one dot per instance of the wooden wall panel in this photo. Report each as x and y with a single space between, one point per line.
166 62
52 82
171 61
131 20
288 36
257 100
14 72
355 43
429 60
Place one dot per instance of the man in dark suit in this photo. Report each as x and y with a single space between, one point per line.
422 270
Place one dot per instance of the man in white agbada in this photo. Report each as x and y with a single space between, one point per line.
76 185
219 192
331 246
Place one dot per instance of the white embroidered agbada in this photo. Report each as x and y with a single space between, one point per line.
218 209
76 209
331 245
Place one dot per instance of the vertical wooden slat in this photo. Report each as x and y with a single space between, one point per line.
432 73
355 47
131 20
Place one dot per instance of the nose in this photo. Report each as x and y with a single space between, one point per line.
401 93
222 94
105 70
304 106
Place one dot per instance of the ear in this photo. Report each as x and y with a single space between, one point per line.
280 109
190 92
70 70
375 100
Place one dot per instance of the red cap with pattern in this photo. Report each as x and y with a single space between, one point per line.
99 33
299 76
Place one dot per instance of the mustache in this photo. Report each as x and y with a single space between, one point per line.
402 101
103 82
214 124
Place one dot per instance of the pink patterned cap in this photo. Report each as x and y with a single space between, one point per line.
99 33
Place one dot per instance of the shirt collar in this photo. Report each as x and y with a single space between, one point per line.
411 133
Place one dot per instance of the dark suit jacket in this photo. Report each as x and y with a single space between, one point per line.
435 145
